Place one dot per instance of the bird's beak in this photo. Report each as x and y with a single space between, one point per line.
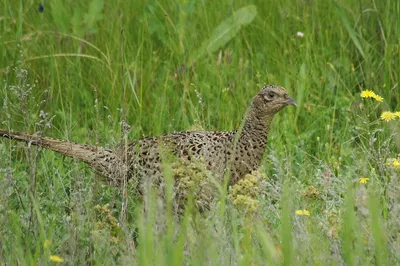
290 101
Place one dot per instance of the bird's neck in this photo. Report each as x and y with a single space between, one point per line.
250 145
256 129
254 137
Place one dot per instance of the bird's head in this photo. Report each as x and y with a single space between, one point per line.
270 99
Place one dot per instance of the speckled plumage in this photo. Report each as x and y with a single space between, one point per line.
240 150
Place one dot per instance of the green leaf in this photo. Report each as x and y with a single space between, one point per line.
350 30
94 14
77 21
227 30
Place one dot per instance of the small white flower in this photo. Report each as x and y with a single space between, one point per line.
300 34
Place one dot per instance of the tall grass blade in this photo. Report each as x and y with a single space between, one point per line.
348 230
286 231
378 232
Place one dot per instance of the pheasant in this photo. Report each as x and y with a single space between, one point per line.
238 151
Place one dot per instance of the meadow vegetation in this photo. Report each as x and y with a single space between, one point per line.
98 72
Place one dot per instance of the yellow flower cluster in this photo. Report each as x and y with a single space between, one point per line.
190 178
246 203
371 94
107 221
303 212
388 116
244 193
310 192
363 180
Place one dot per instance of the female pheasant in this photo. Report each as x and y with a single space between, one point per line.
238 151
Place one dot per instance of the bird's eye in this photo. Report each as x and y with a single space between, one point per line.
269 96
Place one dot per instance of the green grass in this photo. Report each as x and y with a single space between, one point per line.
80 71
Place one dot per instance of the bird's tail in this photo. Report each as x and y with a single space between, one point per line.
104 161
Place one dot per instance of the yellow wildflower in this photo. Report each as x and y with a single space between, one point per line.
303 212
367 94
397 114
371 94
396 163
46 243
56 258
363 180
378 98
387 116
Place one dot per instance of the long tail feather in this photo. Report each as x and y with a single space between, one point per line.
104 161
